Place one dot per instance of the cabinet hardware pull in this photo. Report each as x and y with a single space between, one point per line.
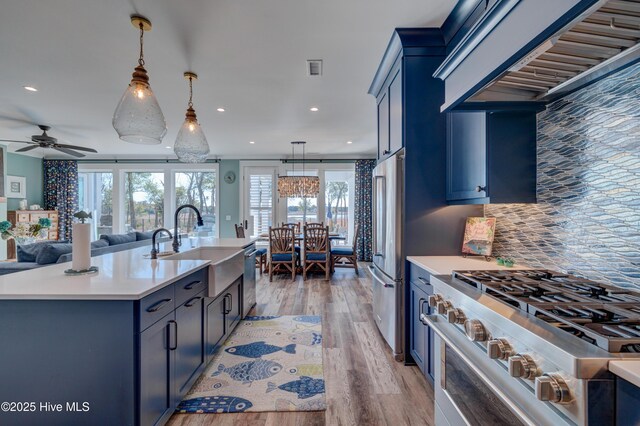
227 297
231 302
189 303
481 188
250 253
158 305
424 281
420 305
192 285
175 336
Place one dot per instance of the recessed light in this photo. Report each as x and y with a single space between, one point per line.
220 110
168 147
30 88
252 142
349 142
313 109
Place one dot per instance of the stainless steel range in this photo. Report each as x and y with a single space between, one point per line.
528 347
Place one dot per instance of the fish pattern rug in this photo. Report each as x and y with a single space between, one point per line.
269 363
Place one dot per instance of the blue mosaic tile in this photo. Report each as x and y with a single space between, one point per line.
587 219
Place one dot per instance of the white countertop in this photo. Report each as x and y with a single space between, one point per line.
125 275
444 265
627 369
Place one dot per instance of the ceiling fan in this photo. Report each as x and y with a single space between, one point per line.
46 141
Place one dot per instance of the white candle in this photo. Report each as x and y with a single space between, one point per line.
81 247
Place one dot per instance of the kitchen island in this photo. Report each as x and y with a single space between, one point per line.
119 347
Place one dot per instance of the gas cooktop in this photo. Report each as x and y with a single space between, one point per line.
604 315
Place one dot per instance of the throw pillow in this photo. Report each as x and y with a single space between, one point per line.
51 252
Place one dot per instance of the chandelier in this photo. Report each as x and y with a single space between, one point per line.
298 186
191 145
138 117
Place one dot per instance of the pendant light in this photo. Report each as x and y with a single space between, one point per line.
191 145
138 117
298 186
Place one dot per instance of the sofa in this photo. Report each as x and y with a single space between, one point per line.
45 253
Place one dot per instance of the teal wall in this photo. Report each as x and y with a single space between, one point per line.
229 198
31 168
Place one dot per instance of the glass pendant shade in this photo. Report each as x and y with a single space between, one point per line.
138 117
191 144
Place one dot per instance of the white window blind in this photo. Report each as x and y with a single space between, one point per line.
261 202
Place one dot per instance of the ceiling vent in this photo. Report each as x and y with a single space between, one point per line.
314 67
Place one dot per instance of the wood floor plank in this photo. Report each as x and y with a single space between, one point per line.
384 381
364 384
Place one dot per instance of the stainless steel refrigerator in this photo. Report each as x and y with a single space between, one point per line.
388 266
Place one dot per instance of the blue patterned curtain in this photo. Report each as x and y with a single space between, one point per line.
363 210
61 192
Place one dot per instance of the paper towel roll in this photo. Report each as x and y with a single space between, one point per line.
81 247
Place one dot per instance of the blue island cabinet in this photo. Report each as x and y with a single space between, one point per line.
111 362
420 335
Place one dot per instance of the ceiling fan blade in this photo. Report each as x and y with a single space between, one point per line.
27 148
12 141
68 151
78 148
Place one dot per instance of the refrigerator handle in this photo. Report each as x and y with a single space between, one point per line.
380 191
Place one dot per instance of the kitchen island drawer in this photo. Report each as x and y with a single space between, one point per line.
155 306
190 285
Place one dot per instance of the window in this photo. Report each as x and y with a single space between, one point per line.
301 210
95 195
199 189
339 187
143 201
260 201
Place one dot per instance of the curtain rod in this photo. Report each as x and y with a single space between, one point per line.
144 161
213 161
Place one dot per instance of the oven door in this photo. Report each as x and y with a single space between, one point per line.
465 392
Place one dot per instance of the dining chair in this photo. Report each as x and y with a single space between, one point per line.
314 224
296 231
347 256
282 252
261 253
316 250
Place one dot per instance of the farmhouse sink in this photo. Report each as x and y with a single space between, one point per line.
227 265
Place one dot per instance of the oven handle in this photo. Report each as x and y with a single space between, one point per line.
432 321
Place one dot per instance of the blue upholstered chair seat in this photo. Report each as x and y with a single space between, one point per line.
281 257
343 251
261 251
316 256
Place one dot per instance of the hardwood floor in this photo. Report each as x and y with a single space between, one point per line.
364 385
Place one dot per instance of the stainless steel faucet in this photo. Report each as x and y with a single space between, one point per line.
155 247
176 234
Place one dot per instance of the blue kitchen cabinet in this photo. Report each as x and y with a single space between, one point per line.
190 354
383 126
627 403
420 335
491 157
222 316
390 116
157 370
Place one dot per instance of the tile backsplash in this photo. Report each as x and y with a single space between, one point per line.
587 220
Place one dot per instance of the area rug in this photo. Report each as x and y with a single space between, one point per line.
269 363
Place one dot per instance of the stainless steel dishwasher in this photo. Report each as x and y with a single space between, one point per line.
249 279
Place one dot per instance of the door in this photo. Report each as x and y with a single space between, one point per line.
234 305
190 347
383 127
157 365
258 199
395 114
387 201
418 337
249 281
466 155
216 327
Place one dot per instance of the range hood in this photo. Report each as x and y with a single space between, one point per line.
602 40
